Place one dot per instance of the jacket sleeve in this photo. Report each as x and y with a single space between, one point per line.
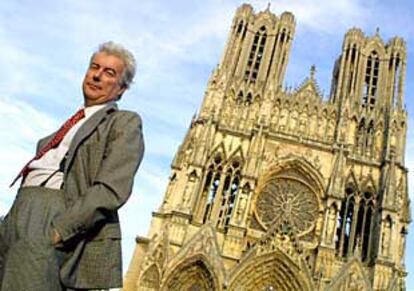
113 183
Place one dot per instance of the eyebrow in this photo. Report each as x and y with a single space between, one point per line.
105 68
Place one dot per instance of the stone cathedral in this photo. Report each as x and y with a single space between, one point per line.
283 189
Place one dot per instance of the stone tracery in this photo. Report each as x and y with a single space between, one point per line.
287 202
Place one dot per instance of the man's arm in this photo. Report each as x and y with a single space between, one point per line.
113 183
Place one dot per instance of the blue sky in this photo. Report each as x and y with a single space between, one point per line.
45 48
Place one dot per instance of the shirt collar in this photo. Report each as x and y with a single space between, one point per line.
90 110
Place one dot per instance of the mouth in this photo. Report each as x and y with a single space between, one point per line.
93 86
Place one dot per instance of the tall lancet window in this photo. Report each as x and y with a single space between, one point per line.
211 185
355 224
256 55
346 216
364 224
244 100
352 67
396 81
230 190
371 81
283 36
240 27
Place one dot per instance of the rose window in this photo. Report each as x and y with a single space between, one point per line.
289 203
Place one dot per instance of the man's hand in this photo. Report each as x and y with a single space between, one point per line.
56 238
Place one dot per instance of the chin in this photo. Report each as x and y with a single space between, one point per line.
90 95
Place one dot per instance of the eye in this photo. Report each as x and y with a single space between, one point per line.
94 66
110 73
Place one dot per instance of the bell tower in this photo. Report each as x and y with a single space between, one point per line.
286 189
254 60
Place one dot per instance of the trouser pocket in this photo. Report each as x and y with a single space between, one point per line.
35 213
31 261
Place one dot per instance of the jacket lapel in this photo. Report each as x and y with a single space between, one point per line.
86 129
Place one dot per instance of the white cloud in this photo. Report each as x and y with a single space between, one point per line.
20 127
27 121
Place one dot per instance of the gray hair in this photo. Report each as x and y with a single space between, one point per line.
115 49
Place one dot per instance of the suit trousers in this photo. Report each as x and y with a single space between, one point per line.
28 260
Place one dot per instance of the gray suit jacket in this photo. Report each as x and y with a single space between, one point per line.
98 176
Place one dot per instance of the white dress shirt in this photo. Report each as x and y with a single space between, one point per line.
49 164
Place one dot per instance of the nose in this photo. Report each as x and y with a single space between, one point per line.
97 75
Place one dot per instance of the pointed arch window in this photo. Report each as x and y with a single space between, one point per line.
352 67
365 222
355 222
402 244
239 99
395 62
244 100
211 185
353 53
370 93
345 219
283 36
220 191
249 99
240 27
230 190
256 55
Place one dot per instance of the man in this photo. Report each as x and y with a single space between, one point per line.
63 232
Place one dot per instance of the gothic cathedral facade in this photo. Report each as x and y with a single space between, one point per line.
282 189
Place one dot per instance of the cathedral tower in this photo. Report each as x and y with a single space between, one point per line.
276 189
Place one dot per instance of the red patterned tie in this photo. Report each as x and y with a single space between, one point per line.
54 142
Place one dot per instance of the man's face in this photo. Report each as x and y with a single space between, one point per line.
102 82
